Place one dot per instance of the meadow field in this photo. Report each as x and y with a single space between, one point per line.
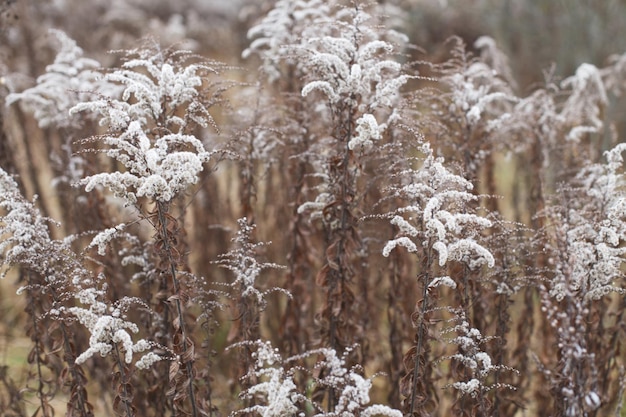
312 208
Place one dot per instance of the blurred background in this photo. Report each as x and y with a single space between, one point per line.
535 34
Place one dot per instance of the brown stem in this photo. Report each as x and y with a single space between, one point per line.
40 388
420 333
70 359
162 210
123 381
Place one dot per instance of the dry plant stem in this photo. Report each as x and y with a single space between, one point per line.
394 316
341 274
420 338
420 332
40 387
83 408
613 349
501 331
124 382
246 174
69 357
35 338
466 302
154 290
77 384
334 342
7 158
248 330
162 210
77 400
293 325
483 405
209 390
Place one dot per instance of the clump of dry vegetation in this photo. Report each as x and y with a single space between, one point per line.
336 223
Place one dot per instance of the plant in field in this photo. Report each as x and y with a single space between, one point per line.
556 131
111 331
583 109
476 363
344 63
584 237
559 127
108 326
242 261
67 81
474 94
50 274
436 216
350 67
373 167
249 300
614 74
437 223
351 387
151 129
275 393
272 41
278 394
512 276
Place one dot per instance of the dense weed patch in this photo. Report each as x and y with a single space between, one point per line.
316 230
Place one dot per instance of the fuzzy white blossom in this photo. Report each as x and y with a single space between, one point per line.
402 241
102 239
285 24
594 234
66 82
346 71
496 59
474 92
471 387
108 328
278 395
352 64
440 216
148 127
275 388
442 249
592 400
367 130
24 232
315 207
242 261
353 389
478 363
583 109
148 360
471 253
445 281
26 242
404 226
348 65
155 169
